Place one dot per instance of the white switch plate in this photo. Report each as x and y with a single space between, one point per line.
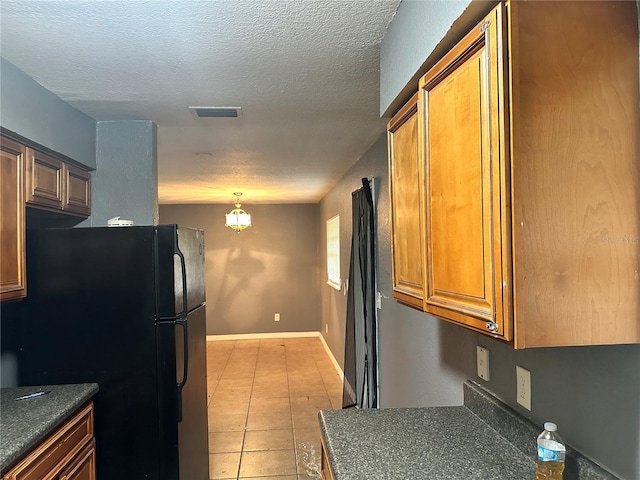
276 317
483 363
523 387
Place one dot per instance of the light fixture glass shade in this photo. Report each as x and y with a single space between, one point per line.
237 218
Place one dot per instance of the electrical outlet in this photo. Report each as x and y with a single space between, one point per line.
276 317
483 363
523 387
326 328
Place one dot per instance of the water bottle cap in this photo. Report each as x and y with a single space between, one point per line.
550 426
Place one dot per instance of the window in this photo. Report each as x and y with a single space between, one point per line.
333 252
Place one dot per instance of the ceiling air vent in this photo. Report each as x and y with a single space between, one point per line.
216 112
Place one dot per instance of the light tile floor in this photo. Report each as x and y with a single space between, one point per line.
264 397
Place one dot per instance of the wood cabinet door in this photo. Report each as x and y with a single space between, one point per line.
12 223
77 190
325 467
462 112
44 180
405 177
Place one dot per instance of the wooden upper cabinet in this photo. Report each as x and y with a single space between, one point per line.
54 184
12 221
44 180
575 140
405 177
77 191
530 138
462 111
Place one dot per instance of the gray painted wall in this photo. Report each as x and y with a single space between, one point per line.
125 182
28 109
271 267
417 352
425 23
592 393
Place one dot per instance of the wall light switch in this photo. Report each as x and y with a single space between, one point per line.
523 387
483 363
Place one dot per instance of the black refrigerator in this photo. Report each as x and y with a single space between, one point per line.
124 307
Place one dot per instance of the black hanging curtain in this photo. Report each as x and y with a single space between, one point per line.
360 388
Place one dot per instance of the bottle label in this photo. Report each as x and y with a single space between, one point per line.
548 455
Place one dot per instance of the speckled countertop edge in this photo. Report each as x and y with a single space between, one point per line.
24 423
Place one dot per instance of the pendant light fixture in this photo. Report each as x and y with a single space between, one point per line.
237 218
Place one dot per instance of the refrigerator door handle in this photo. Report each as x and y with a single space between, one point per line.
185 364
183 272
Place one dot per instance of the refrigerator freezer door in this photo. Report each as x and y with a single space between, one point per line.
180 266
183 410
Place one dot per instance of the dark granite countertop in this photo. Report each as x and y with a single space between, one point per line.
419 443
484 439
24 423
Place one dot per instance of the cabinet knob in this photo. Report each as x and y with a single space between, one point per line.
492 326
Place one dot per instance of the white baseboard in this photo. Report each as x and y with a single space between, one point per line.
333 359
252 336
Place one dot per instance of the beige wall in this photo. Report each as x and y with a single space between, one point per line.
271 267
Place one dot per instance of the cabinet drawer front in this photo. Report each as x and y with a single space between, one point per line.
44 179
83 467
55 452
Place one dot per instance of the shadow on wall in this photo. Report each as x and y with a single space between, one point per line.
269 268
237 268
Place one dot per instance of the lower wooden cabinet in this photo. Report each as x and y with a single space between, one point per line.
67 454
327 474
84 465
12 221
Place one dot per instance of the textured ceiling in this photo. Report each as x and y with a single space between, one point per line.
304 72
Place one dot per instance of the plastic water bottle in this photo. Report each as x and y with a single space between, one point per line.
551 452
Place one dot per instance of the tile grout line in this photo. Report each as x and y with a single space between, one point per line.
246 420
293 437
